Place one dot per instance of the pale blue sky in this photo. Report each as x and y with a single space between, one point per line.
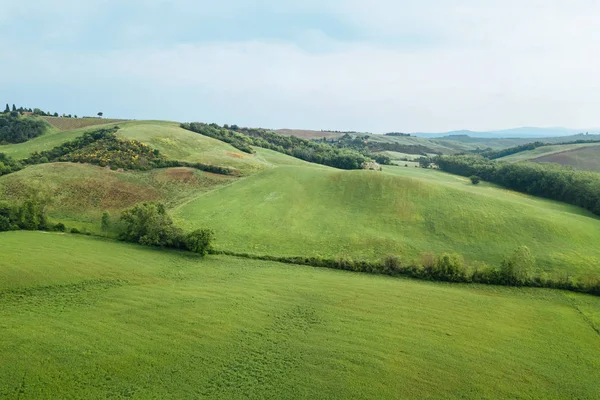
377 65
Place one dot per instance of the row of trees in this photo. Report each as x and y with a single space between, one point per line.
14 111
29 215
244 138
552 181
516 269
15 129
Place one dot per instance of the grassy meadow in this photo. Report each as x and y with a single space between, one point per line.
113 320
298 210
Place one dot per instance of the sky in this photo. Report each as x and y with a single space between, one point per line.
376 65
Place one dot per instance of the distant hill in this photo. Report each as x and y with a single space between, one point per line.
524 132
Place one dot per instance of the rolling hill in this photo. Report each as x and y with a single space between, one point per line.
584 156
287 207
90 318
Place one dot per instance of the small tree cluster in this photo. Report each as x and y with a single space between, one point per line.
150 225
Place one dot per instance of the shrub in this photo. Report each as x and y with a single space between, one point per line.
516 268
75 230
150 225
449 267
5 224
200 241
60 227
475 179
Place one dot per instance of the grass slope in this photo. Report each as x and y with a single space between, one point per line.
585 157
81 193
180 144
531 155
121 321
47 141
406 211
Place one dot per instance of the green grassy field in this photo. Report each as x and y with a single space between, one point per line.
113 320
405 211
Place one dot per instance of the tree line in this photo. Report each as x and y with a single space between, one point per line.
552 181
15 129
244 138
516 269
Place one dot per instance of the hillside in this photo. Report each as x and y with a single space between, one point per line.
585 157
80 193
404 211
112 320
287 207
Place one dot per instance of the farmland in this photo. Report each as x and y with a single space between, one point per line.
118 320
69 124
583 156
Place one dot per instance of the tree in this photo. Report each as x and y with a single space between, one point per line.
150 225
7 109
100 114
516 269
475 179
200 241
105 221
424 162
14 108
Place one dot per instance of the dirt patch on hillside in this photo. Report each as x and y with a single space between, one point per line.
104 194
235 155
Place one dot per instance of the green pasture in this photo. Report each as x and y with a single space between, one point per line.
88 318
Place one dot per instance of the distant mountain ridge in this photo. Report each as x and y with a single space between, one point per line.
523 132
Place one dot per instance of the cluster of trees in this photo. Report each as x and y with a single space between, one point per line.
30 215
359 144
102 147
517 269
15 129
149 224
244 138
8 165
552 181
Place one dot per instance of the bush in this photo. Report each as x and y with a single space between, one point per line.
75 230
516 269
60 227
150 225
5 224
200 241
475 179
